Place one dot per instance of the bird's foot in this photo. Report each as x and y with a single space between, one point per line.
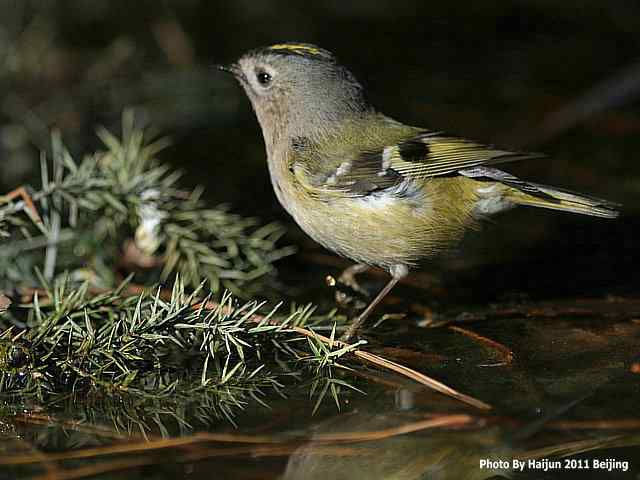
352 331
349 293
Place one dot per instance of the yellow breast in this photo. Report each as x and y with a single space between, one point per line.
389 227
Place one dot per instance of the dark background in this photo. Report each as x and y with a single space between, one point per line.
551 76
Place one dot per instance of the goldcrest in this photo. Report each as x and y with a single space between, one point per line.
366 186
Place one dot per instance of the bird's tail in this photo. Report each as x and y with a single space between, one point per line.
543 196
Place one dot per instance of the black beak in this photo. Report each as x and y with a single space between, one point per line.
233 69
225 68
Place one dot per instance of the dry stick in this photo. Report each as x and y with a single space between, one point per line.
400 369
617 424
456 420
504 351
137 447
351 437
273 447
265 451
269 451
93 470
378 378
572 448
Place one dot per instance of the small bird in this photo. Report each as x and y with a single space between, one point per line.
366 186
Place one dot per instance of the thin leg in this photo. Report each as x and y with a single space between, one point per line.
348 276
348 290
397 274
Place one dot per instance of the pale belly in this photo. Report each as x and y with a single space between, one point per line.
386 230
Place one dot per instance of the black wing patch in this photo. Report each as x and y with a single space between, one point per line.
428 154
413 150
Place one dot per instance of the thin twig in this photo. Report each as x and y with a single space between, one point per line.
572 448
617 424
505 352
97 469
260 451
421 378
441 421
351 437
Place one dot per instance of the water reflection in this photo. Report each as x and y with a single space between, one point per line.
432 454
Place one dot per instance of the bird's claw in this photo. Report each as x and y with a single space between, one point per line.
348 292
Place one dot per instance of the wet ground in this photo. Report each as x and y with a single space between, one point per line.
538 315
561 378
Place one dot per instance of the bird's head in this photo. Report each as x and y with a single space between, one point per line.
298 88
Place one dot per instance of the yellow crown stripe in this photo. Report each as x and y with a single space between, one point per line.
295 47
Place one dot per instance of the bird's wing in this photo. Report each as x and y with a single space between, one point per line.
427 154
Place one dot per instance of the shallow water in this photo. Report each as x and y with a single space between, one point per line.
536 315
561 377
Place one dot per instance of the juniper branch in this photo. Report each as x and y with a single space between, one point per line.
125 192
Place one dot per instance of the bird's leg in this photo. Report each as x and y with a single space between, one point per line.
345 296
357 323
397 273
348 276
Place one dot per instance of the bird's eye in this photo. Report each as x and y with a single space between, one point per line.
263 78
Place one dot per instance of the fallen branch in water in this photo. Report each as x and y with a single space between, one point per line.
437 421
27 295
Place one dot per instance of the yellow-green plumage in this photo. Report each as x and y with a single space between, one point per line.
395 224
339 197
368 187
